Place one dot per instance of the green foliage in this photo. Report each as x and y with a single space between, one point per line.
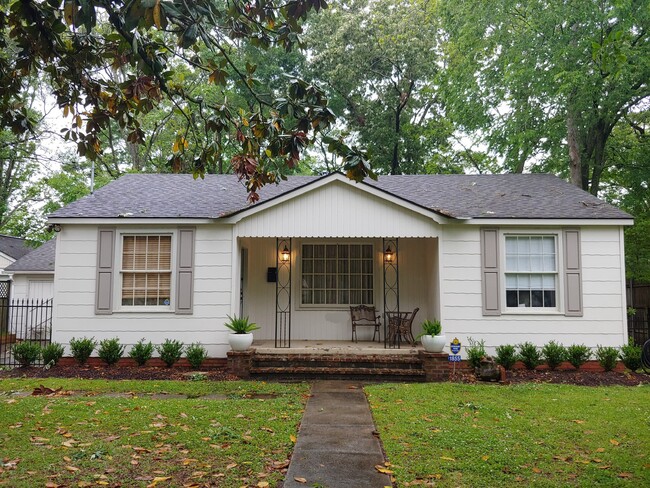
475 352
529 355
52 353
81 349
170 351
578 354
607 357
26 353
631 355
506 356
431 327
141 352
196 354
554 354
240 325
110 350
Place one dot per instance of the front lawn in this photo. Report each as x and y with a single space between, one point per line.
241 436
489 435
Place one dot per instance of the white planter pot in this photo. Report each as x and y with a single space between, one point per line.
434 343
240 342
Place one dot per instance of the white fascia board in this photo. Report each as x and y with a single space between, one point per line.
7 257
124 221
26 272
548 222
326 180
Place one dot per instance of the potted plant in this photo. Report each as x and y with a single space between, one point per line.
242 329
432 337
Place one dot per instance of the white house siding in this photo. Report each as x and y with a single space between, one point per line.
603 321
74 301
32 286
337 210
417 289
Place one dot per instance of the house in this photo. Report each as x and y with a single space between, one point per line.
11 248
503 258
32 275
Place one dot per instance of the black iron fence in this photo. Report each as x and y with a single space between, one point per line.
20 321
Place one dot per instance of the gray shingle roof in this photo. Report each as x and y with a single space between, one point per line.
14 247
508 196
39 259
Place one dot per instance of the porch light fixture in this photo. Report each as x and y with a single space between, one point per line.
389 254
285 254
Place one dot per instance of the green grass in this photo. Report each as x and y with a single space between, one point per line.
488 435
99 440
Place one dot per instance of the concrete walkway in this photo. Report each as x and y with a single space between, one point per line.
336 447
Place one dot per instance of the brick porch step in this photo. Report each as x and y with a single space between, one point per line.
329 372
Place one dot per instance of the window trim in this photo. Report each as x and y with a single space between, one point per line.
558 274
332 307
119 272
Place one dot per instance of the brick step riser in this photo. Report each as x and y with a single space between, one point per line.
326 376
417 366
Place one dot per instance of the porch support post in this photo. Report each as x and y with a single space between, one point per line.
390 257
283 256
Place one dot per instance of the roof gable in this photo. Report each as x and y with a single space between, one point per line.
39 259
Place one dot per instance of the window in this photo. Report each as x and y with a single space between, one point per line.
146 270
337 274
531 271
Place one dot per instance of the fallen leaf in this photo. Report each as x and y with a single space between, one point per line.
600 449
293 439
84 484
537 470
157 480
231 465
280 464
625 475
381 469
485 458
72 469
49 484
614 442
578 421
447 458
300 480
263 484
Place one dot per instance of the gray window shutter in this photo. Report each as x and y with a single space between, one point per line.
105 260
490 271
185 271
572 273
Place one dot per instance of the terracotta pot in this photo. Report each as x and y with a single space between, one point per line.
240 342
434 343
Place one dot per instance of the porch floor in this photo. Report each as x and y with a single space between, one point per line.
334 347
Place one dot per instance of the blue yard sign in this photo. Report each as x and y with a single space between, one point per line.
455 346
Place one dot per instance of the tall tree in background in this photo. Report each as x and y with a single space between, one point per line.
71 43
378 59
547 81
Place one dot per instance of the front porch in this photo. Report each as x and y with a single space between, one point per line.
363 361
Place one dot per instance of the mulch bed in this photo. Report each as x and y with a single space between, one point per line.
117 373
564 376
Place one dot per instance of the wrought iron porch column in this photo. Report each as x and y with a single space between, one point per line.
390 257
283 293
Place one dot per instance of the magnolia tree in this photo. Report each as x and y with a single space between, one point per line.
76 47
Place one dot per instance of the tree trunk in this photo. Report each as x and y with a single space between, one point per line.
575 161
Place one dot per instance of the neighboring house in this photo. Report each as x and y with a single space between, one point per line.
11 248
33 274
504 258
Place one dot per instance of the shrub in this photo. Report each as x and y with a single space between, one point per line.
475 352
27 353
52 353
170 351
578 354
110 350
631 355
607 357
529 355
554 354
141 352
81 349
196 354
506 356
